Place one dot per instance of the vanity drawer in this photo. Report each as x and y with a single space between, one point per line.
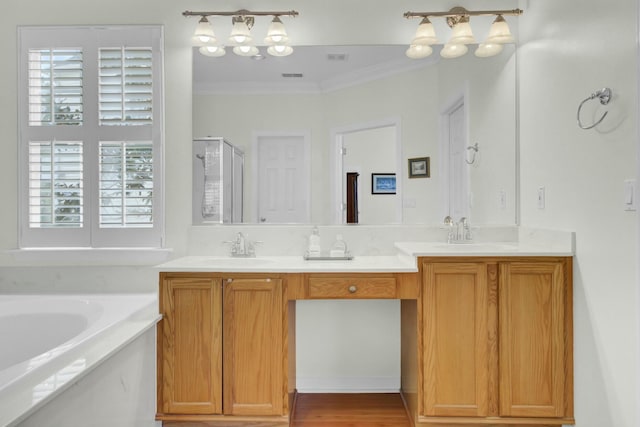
351 287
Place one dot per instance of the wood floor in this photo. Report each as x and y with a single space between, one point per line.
350 410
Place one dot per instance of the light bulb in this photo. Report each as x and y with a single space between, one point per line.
279 50
425 34
499 31
246 50
212 50
204 31
486 50
462 33
450 50
276 34
240 33
419 51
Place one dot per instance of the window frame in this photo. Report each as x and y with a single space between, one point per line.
91 39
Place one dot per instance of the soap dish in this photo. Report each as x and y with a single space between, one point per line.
324 257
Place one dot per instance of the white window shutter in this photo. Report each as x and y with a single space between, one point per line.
91 136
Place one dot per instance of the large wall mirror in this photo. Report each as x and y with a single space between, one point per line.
328 123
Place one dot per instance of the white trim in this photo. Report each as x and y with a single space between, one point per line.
637 384
347 385
255 139
336 160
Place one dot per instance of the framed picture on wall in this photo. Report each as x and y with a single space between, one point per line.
419 167
383 183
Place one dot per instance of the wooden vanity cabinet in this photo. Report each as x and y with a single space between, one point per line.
253 350
190 345
497 341
456 344
221 351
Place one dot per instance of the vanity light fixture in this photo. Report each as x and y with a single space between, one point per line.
240 38
458 19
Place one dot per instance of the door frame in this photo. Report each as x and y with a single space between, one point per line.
255 140
338 208
459 97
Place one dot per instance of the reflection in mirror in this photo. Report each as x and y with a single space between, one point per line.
323 97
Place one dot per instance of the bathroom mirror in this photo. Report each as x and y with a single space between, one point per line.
370 111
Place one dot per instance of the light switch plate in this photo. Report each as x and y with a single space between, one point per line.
502 199
541 198
630 195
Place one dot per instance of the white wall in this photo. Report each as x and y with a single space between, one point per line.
372 151
568 50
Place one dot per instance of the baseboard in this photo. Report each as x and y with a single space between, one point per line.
347 385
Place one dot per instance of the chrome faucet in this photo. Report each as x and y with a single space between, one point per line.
242 247
459 232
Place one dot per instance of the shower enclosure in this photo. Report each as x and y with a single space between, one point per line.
218 179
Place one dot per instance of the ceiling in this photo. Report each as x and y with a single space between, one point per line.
308 69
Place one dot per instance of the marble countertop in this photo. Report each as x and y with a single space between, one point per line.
405 261
291 264
514 249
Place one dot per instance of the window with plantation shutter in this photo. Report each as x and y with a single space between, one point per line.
55 184
90 113
55 87
126 184
126 84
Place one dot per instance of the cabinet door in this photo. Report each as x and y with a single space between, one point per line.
191 346
532 339
253 354
456 343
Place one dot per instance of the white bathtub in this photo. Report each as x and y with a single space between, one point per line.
47 342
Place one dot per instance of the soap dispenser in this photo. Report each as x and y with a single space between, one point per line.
313 249
339 248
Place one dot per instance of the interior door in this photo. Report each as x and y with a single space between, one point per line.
283 179
458 168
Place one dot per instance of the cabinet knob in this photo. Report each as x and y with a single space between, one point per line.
353 289
229 280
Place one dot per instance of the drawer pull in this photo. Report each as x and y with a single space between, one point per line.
353 289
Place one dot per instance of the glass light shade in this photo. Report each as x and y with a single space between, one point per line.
450 51
279 50
204 32
246 50
419 51
486 50
276 34
462 33
499 31
240 33
425 34
212 50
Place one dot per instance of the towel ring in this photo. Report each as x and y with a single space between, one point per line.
473 148
605 96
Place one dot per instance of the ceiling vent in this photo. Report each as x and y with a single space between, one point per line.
292 75
337 56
